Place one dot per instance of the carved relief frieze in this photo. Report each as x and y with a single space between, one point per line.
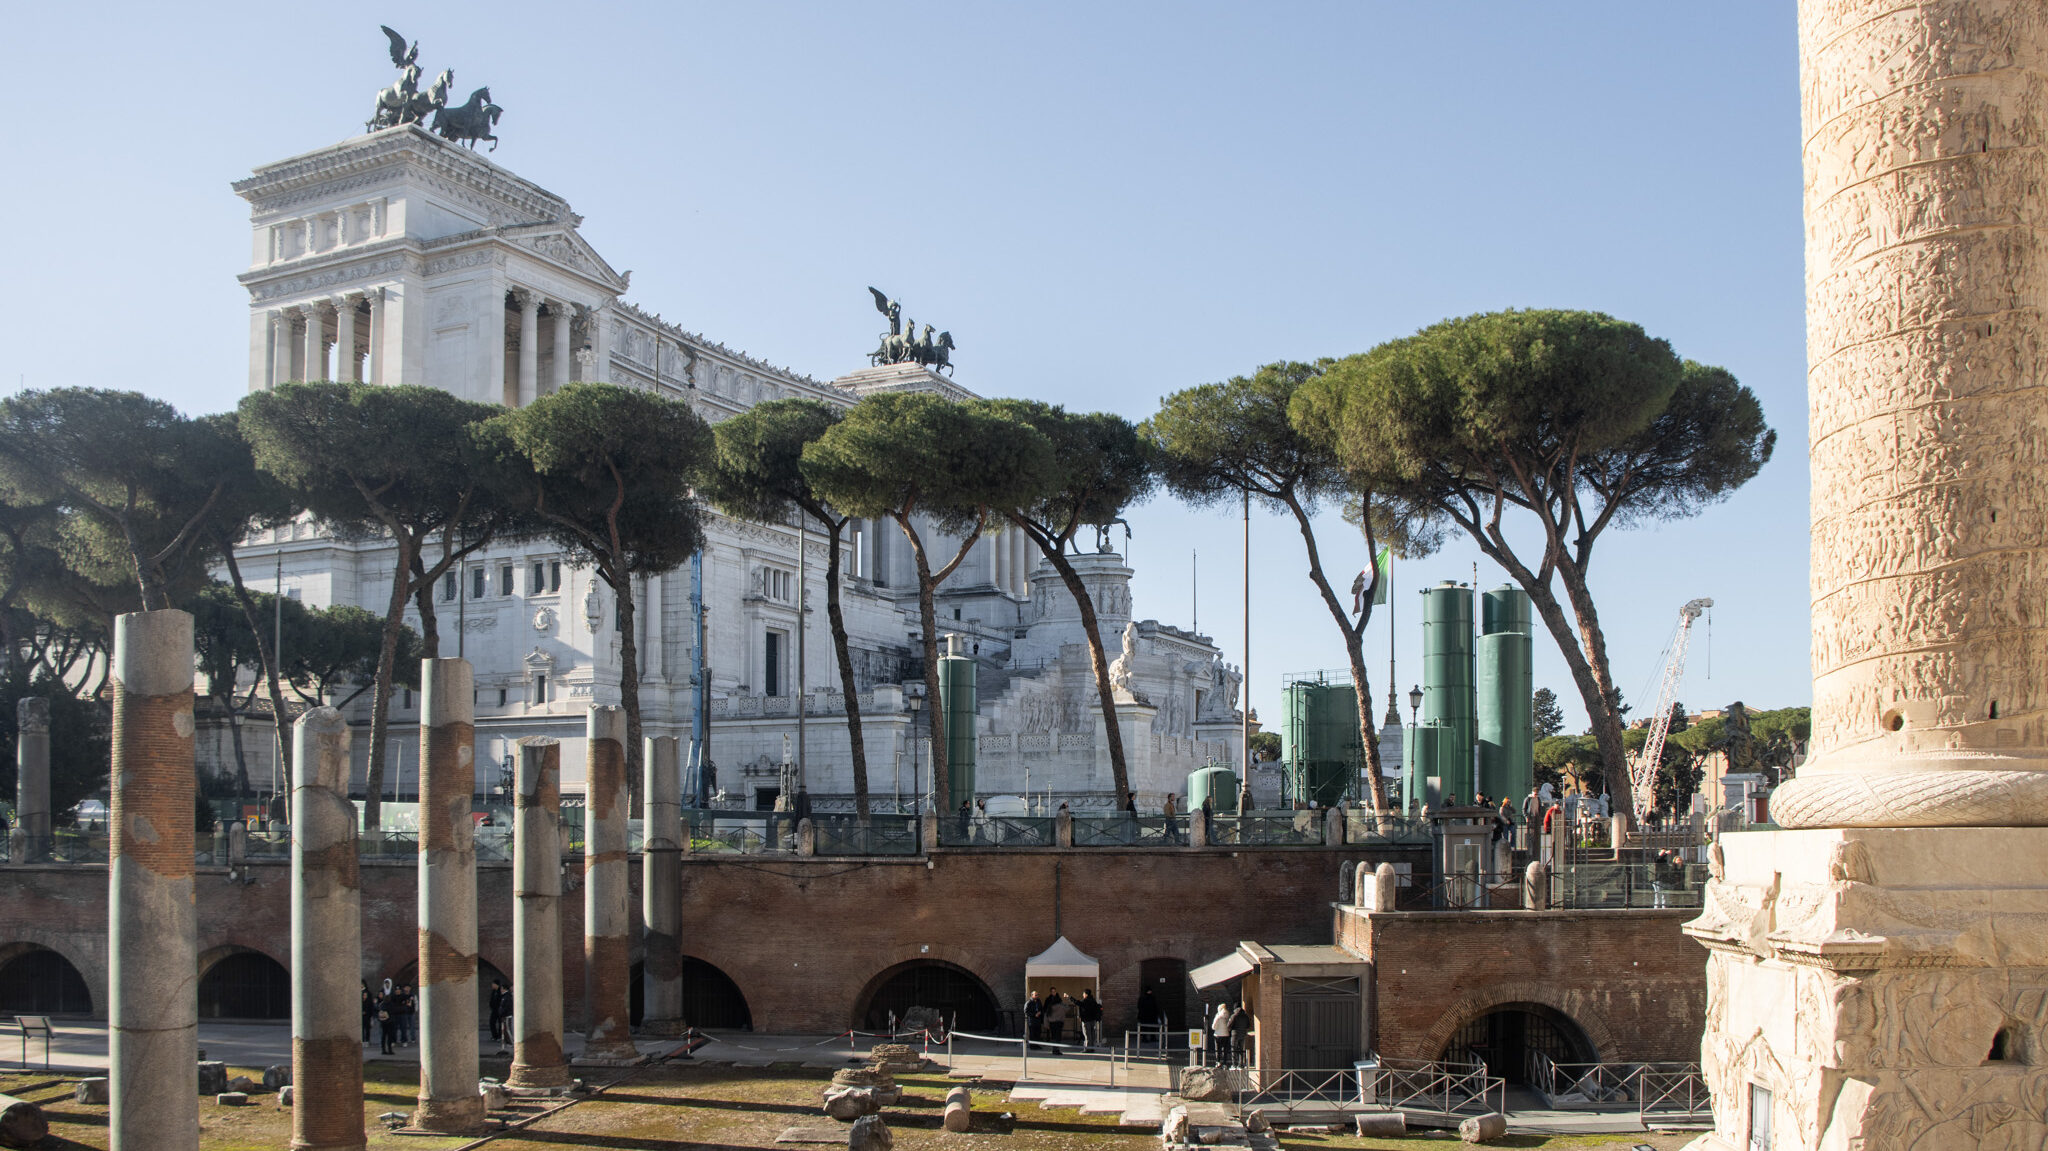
459 260
384 266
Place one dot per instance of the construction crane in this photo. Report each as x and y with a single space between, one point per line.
1642 771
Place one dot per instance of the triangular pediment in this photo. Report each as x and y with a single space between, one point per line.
564 246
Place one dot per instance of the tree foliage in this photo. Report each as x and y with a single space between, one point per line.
910 455
1546 718
1573 420
80 754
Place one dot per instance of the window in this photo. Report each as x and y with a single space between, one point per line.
554 575
1759 1118
448 586
538 582
501 697
540 689
771 663
505 580
476 583
408 699
777 584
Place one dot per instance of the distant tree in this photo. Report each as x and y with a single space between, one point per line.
1575 420
1265 747
1221 442
332 655
901 456
1545 716
132 465
1102 465
370 459
606 472
225 643
756 473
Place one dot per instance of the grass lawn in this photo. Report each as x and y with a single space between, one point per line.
680 1106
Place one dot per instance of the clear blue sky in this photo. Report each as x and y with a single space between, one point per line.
1103 203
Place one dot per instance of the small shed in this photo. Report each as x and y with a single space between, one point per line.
1063 966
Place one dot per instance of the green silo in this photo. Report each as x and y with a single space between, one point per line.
1506 684
1419 756
957 703
1447 688
1219 783
1319 739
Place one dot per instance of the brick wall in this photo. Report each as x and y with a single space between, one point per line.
1632 980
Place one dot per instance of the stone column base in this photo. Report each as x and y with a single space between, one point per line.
450 1116
1878 988
525 1077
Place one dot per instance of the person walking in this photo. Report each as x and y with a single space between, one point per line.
1034 1018
1172 827
387 1021
497 1001
1219 1034
369 1011
1148 1015
1240 1036
1090 1011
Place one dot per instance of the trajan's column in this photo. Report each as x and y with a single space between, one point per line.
1878 973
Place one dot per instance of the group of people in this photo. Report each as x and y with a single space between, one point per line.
1045 1019
501 1012
1230 1031
395 1014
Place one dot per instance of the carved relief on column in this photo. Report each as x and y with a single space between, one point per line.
1926 284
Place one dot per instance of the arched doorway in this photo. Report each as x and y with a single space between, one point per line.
485 973
711 1000
956 993
38 981
1167 979
245 985
1504 1036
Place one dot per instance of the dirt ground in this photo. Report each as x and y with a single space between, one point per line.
685 1106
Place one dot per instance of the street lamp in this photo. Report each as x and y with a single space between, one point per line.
1415 704
915 701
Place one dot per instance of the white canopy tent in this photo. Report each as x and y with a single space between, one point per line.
1064 966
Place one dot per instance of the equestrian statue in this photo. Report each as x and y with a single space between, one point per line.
902 345
403 103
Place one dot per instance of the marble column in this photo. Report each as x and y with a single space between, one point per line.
661 888
316 342
1875 972
562 314
537 1060
376 372
529 346
153 1015
32 779
280 347
999 550
607 916
448 1099
345 366
327 940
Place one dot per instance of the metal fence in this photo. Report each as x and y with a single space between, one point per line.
1369 830
880 835
1469 891
997 831
1444 1090
1267 829
1129 830
1652 1090
1589 886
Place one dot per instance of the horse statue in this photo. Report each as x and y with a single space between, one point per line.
431 101
940 353
471 122
399 104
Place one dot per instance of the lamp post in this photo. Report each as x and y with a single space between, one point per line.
1414 705
915 701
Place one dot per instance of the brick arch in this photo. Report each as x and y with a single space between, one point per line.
942 956
95 992
1475 1003
220 951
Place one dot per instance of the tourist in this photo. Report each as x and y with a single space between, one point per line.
1504 822
1090 1011
1172 827
387 1021
1148 1015
1219 1032
497 999
966 816
1240 1036
1056 1011
1034 1018
369 1011
408 1015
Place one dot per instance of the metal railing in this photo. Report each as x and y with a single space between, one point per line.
880 835
1128 830
741 832
1467 891
1267 829
1366 829
1587 886
997 831
1663 1090
63 846
1444 1090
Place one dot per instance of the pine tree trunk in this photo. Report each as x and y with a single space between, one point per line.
629 686
1105 694
928 619
851 690
269 657
1354 650
380 696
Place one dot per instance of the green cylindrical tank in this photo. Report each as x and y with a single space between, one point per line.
1504 724
1319 739
957 703
1421 746
1220 782
1447 688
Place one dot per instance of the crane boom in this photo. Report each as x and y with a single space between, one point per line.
1642 773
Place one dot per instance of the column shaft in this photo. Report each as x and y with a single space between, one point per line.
327 941
345 366
661 888
448 1099
1000 546
537 1059
280 347
606 893
529 348
562 314
376 373
316 343
153 1017
32 779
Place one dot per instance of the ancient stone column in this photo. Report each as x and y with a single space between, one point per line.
607 919
1875 973
529 346
661 888
327 940
153 1017
345 339
32 778
316 342
1926 283
448 1100
280 347
375 374
559 371
537 1060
